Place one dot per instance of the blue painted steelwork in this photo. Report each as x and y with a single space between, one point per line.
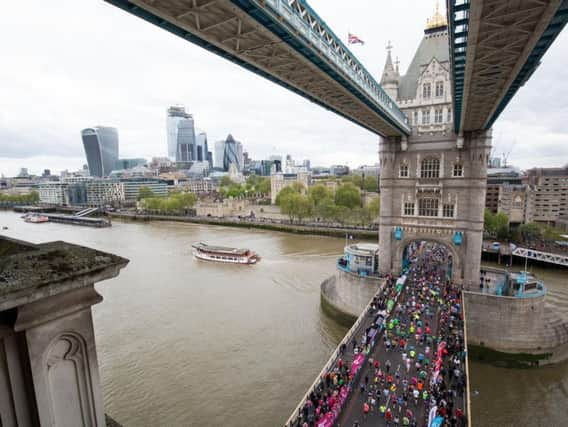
398 233
458 19
319 40
458 237
556 25
303 30
458 25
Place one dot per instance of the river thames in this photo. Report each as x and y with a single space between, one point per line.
186 342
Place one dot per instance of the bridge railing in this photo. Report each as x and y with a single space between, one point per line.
299 15
467 396
542 256
331 361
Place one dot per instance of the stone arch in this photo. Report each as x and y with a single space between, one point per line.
447 241
71 400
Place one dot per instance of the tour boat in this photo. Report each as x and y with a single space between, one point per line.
224 254
36 219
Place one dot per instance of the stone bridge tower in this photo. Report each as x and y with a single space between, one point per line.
433 182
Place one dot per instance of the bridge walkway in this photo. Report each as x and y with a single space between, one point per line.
357 372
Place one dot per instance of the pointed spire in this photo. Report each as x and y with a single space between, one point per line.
390 74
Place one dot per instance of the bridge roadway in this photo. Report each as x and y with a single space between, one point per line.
352 378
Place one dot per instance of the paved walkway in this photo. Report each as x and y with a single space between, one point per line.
404 362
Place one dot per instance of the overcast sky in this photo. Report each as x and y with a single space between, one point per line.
69 64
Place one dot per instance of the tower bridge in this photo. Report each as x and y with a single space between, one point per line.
286 42
434 122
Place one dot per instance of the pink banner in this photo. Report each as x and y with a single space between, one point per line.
357 362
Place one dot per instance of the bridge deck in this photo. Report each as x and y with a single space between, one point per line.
356 378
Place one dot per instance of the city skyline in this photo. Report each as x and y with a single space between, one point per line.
219 94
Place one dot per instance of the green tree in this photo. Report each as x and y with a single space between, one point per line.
145 192
342 214
348 195
326 209
496 225
263 185
318 193
371 184
288 201
226 181
374 207
286 191
304 207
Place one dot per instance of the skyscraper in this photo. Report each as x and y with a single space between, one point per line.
233 154
101 149
181 135
202 147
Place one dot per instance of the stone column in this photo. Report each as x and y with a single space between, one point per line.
62 357
387 160
479 146
49 373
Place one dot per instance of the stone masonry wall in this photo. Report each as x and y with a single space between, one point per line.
349 294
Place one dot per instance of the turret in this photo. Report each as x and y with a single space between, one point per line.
391 76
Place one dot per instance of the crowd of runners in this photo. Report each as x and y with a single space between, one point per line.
406 366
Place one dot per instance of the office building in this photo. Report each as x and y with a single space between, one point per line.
496 178
548 194
101 149
181 135
339 170
280 180
123 164
229 152
132 187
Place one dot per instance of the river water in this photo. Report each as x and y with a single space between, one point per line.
190 343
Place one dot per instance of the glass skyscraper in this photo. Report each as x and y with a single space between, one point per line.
181 135
231 154
101 149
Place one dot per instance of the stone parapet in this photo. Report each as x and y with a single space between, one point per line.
516 326
48 362
345 295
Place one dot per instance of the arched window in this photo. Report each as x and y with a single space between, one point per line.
403 172
426 90
439 89
430 168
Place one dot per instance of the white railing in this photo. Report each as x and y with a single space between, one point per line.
332 359
542 256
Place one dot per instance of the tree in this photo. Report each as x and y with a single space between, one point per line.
348 195
285 200
326 209
371 184
374 207
318 193
145 192
360 215
496 225
342 214
226 181
296 205
304 207
286 191
263 186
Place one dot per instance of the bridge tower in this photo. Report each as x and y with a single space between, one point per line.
432 182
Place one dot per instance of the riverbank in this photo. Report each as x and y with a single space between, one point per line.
287 228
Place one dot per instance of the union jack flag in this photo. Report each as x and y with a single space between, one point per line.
353 39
